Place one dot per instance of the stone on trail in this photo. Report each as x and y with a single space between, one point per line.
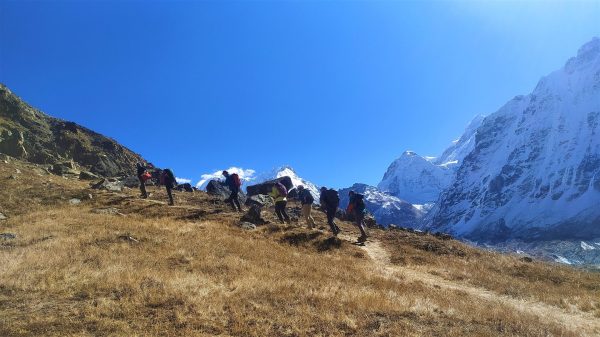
74 201
259 200
3 217
108 210
8 236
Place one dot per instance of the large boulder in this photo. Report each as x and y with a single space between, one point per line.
265 187
259 200
65 168
216 188
187 187
131 181
253 216
105 184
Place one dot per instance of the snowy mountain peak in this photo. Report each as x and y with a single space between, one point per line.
287 170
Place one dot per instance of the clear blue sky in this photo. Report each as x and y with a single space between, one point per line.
335 89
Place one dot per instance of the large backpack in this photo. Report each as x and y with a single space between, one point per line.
167 177
359 202
236 180
306 197
332 197
281 189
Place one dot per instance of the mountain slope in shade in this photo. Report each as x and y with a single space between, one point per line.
420 180
387 209
534 171
31 135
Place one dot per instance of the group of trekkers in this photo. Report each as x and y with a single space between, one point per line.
329 199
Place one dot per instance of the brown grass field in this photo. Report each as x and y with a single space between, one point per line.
190 270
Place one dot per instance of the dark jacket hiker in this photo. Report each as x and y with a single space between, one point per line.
330 200
167 178
357 208
141 170
234 183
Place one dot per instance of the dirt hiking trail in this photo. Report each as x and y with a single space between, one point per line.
575 320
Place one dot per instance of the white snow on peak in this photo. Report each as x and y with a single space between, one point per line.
183 180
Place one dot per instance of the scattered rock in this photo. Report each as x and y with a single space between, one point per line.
253 216
247 225
105 184
3 217
13 177
129 238
74 201
443 236
8 236
90 196
17 171
526 259
87 175
265 187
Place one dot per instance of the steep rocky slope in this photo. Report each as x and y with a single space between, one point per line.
29 134
534 171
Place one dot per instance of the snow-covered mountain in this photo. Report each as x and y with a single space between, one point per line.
533 172
290 172
420 180
387 209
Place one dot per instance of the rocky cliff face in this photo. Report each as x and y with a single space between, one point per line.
29 134
534 170
387 209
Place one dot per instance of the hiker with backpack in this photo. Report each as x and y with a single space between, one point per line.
357 208
306 199
142 175
233 182
330 200
167 178
279 195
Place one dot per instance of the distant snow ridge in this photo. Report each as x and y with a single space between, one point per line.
534 169
387 209
420 180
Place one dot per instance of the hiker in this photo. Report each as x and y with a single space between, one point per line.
167 178
357 207
279 194
233 182
142 174
306 199
330 200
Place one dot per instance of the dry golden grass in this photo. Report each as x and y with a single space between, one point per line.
191 271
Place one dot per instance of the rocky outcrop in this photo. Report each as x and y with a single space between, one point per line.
265 187
29 134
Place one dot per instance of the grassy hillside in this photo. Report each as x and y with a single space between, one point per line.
118 265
